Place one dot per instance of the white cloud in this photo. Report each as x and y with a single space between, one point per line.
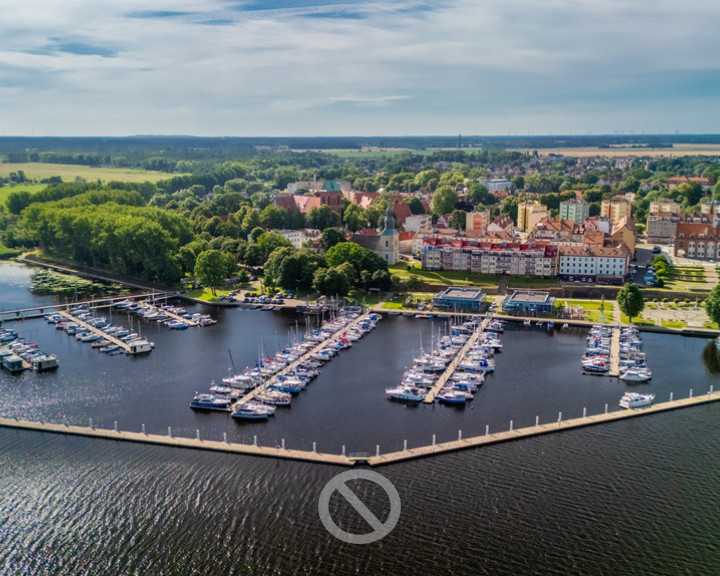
396 67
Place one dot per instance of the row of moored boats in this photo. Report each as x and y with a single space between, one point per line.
469 373
285 374
18 355
174 317
100 333
632 361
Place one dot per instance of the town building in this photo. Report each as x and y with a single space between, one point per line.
305 203
477 222
502 223
661 227
418 222
496 184
299 237
557 230
459 298
624 231
389 241
530 213
696 239
593 263
615 208
663 205
678 180
489 257
575 210
528 301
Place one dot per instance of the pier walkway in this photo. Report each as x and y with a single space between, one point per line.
290 367
98 331
449 371
348 460
614 353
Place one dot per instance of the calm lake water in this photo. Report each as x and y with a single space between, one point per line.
635 497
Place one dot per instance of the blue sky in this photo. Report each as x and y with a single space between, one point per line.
324 67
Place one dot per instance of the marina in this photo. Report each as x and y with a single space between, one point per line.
127 348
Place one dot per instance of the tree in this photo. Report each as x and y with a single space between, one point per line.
354 218
443 200
268 242
331 282
211 268
416 207
273 216
630 300
322 217
458 219
330 237
712 304
19 200
478 194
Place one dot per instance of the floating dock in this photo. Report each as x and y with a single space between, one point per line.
445 376
614 353
344 460
108 337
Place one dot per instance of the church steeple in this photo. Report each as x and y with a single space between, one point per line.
389 219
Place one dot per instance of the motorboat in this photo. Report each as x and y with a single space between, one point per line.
139 347
406 393
210 402
636 375
451 396
274 397
636 400
44 362
250 411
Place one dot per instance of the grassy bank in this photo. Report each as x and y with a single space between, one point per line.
68 172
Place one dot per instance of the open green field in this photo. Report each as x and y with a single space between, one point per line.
5 191
533 282
374 152
637 320
68 172
205 294
444 277
679 149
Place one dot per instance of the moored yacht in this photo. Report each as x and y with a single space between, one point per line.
636 400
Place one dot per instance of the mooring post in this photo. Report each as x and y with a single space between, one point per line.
487 429
225 437
606 407
511 424
91 423
690 393
197 434
671 396
537 420
711 390
343 449
255 441
584 412
459 434
314 447
559 417
282 443
404 445
170 431
116 426
377 450
143 428
433 440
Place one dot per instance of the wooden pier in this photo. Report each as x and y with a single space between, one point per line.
174 316
450 370
350 460
290 367
98 331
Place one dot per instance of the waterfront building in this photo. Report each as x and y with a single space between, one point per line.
593 263
489 257
575 210
528 301
460 298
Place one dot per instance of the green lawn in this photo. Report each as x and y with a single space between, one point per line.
393 306
533 282
205 294
673 324
637 320
711 326
592 309
444 277
685 279
6 252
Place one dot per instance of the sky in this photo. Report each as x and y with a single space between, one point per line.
365 68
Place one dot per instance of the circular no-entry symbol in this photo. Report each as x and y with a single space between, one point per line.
379 529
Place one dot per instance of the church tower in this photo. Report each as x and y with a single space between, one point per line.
389 242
